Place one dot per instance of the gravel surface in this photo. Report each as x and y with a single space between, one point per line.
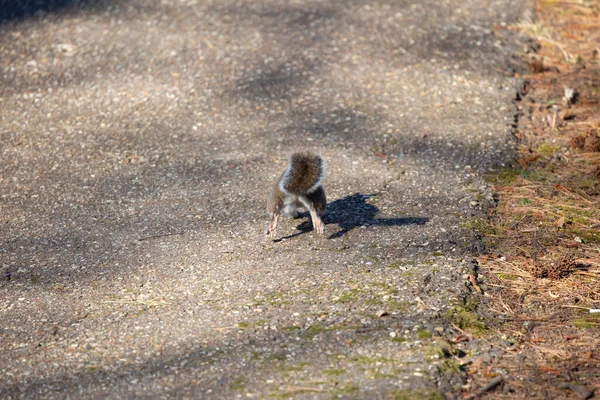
139 140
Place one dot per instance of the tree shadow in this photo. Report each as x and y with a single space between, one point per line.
19 9
351 212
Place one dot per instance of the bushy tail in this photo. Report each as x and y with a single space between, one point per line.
304 174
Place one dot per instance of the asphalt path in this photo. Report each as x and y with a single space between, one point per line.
139 140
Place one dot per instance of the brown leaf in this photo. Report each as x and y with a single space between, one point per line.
461 338
473 282
523 163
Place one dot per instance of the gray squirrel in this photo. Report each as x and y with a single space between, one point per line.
300 185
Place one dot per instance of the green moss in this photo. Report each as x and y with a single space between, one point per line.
508 177
370 360
398 339
315 329
423 334
574 214
503 176
525 202
547 150
334 372
534 176
480 225
243 325
237 385
587 236
277 356
301 366
438 351
347 389
433 352
463 315
449 366
437 254
442 356
507 276
387 288
276 299
426 394
587 322
277 395
584 324
348 297
374 302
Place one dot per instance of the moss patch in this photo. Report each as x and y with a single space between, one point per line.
463 315
423 334
333 372
315 329
414 395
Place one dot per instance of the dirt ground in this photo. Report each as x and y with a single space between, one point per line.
139 139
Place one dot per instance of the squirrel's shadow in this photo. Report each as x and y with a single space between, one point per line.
352 212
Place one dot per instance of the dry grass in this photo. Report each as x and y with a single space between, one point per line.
543 273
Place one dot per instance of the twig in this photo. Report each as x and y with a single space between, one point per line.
516 333
492 384
460 330
514 224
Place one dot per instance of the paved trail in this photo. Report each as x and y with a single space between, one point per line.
138 142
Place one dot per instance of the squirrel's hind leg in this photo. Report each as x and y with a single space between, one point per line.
318 225
270 232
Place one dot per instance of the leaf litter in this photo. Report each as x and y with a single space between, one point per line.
542 272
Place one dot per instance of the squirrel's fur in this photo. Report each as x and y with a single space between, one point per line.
300 185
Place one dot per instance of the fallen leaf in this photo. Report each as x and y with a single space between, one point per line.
460 339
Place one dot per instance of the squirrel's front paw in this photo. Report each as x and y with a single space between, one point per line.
319 226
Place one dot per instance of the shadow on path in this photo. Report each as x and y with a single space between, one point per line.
351 212
19 9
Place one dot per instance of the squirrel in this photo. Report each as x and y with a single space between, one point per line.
300 185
